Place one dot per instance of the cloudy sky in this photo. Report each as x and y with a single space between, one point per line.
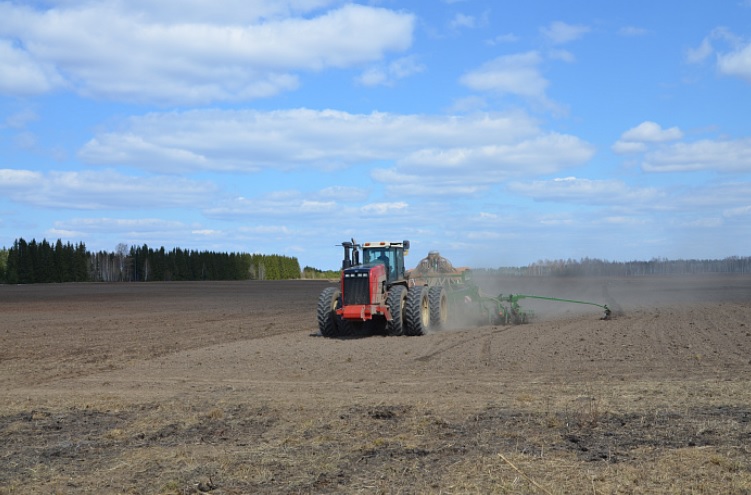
499 133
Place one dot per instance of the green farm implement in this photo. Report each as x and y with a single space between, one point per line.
468 303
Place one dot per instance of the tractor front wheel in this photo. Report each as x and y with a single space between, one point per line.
328 321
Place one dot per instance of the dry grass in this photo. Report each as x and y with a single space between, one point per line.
669 438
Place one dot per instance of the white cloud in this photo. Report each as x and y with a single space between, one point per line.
387 75
100 190
730 156
724 156
560 32
733 59
266 229
10 179
343 193
135 149
402 182
636 139
704 223
736 63
461 154
714 196
562 55
625 220
405 67
373 76
207 232
21 75
472 103
276 204
246 140
625 147
237 11
464 171
129 225
308 206
587 191
121 51
650 132
700 53
463 21
741 211
539 155
384 208
517 74
187 11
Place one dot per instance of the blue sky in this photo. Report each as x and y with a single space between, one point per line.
499 133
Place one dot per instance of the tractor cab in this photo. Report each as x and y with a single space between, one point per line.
390 254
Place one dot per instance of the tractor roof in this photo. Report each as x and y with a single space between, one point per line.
382 244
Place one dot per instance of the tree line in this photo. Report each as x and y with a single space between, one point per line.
310 272
42 262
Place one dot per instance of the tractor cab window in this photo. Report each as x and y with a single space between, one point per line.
385 256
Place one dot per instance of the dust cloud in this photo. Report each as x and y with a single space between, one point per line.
620 294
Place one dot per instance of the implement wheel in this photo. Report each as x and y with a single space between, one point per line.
439 306
396 301
417 311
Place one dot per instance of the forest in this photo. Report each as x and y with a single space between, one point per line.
43 262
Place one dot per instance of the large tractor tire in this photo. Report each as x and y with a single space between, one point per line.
329 323
439 306
396 301
417 311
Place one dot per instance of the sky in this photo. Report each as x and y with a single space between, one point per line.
498 133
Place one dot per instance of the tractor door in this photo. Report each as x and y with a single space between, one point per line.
398 270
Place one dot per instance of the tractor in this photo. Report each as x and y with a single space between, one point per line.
375 289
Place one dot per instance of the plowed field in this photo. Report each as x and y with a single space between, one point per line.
222 387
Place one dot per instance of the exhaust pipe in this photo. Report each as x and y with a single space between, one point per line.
347 262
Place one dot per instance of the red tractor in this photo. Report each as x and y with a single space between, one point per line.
377 290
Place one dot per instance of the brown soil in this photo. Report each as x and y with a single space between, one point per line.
220 387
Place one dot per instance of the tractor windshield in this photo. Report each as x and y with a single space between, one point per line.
391 257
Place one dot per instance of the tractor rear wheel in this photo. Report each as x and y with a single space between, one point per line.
417 311
439 306
395 300
328 320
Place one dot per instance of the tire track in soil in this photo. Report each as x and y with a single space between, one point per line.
468 337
